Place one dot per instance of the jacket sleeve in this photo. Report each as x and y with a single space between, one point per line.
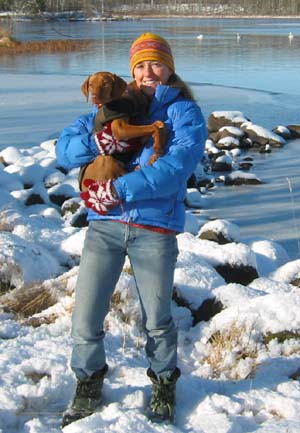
185 149
76 145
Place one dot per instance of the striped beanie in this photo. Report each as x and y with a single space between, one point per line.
151 47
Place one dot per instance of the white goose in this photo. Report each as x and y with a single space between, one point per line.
200 37
291 36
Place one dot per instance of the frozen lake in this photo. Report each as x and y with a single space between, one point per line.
257 74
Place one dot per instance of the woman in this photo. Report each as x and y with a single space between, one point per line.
139 215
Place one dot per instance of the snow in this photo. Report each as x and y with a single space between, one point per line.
234 379
234 116
262 132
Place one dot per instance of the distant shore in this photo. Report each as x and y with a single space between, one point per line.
115 16
217 16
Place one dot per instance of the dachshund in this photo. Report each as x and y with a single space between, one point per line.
118 104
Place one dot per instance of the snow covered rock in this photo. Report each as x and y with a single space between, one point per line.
218 119
220 231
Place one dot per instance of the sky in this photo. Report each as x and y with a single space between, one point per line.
236 376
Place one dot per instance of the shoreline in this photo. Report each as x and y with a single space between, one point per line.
296 17
154 16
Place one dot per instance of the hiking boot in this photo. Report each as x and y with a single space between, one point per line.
87 399
163 400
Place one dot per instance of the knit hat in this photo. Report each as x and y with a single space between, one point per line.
151 47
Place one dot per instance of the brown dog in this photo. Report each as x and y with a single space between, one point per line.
104 88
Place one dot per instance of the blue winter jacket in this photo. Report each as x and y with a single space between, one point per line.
152 195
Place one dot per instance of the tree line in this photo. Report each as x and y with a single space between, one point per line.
157 7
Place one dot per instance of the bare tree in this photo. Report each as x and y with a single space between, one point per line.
249 7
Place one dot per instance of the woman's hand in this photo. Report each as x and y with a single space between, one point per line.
100 196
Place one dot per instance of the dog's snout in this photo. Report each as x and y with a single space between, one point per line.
100 92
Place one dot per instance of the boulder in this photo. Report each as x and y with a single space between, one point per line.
295 130
283 131
218 119
242 274
262 136
220 231
222 163
231 131
241 178
58 194
214 136
228 142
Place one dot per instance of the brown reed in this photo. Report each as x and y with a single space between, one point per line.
11 47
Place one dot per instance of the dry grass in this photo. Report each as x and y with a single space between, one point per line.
29 300
36 322
31 303
230 342
11 47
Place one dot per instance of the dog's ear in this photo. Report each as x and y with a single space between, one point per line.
119 86
85 88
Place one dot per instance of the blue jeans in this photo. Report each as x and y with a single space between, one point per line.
153 257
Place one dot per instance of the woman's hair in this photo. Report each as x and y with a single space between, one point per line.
185 91
174 81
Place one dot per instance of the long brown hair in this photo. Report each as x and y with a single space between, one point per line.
174 81
185 91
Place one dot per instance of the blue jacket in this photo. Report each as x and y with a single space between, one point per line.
152 195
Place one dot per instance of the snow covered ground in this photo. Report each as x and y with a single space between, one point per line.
237 377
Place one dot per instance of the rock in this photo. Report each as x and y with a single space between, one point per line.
231 131
265 149
220 231
228 143
214 136
75 212
262 136
240 178
208 309
245 165
54 178
222 163
80 219
70 206
237 274
218 119
283 131
58 194
34 199
246 143
295 130
205 182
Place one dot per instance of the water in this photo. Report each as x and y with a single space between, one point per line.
257 74
263 58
